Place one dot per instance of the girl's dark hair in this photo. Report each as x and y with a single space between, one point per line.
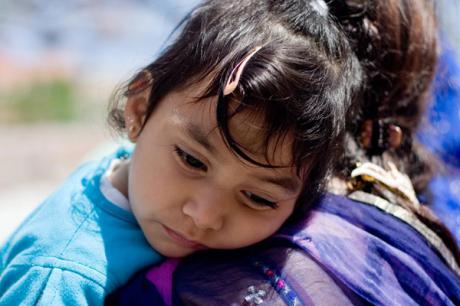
302 81
397 45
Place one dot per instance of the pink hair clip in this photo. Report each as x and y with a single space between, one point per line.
235 75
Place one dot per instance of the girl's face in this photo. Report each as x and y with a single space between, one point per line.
188 191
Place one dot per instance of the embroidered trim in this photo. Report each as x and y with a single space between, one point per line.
254 296
398 184
409 218
279 284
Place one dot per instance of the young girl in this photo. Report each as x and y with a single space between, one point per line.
373 242
235 126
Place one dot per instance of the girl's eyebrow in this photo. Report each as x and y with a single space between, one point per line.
288 183
198 135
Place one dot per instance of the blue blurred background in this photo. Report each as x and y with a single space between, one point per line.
61 60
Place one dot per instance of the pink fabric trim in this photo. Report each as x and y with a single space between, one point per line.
161 276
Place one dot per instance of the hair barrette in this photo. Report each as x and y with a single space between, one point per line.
236 73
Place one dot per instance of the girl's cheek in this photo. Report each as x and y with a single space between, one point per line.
165 183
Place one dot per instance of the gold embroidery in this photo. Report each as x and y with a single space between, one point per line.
392 180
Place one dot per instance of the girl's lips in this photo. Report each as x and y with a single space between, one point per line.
182 240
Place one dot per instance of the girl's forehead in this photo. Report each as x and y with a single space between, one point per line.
194 114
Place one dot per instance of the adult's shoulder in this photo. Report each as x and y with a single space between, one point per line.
364 240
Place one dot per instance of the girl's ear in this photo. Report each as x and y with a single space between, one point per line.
135 113
138 94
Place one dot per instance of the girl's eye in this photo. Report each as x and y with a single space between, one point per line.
259 202
189 160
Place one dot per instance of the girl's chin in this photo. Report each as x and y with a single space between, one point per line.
175 252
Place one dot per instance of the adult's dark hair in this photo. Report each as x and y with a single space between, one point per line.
302 81
396 42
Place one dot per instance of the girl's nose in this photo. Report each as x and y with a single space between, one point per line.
206 210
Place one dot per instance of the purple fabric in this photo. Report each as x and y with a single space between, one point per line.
379 257
161 277
393 234
355 257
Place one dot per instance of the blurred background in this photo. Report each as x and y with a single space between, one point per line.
60 61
